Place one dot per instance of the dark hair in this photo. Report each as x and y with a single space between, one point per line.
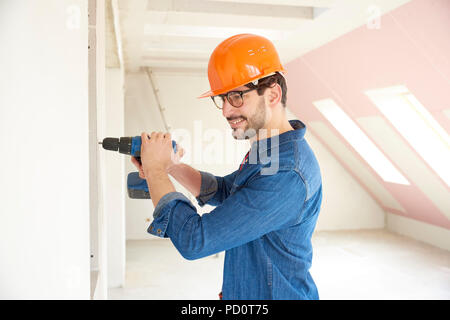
268 82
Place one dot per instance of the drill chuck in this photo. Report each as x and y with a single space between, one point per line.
110 144
125 145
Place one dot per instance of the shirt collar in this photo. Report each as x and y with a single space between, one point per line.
263 145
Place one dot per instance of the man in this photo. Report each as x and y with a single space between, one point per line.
264 218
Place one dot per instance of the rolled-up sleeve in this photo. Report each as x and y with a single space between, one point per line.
162 213
265 204
214 189
208 188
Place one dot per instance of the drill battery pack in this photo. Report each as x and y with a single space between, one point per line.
137 187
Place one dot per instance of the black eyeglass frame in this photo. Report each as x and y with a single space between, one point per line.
227 95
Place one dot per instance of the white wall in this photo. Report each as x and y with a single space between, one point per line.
434 235
97 115
346 205
114 182
44 185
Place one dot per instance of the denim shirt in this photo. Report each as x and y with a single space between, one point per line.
264 218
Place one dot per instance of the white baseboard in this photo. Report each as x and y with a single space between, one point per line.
436 236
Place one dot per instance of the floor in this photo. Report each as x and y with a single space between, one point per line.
363 264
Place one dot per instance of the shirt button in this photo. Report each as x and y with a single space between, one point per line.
158 231
151 228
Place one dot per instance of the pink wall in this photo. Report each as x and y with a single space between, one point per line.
412 48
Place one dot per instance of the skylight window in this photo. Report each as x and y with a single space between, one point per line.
415 123
359 141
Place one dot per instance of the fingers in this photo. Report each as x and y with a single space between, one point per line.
136 162
156 136
144 136
139 167
141 174
180 151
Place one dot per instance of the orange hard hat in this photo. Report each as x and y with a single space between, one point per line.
241 59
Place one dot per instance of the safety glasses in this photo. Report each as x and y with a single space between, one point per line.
235 98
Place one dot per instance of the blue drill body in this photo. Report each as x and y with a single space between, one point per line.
136 146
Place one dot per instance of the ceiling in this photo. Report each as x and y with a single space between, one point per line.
390 88
180 35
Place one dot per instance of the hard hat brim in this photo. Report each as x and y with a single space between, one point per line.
206 95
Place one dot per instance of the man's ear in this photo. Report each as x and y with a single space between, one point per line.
274 95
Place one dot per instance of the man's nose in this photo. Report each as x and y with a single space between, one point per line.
227 109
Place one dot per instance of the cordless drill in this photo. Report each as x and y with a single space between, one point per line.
137 187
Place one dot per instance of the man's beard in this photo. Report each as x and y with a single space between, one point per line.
254 123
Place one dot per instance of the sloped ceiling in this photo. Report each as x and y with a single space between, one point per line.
410 48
